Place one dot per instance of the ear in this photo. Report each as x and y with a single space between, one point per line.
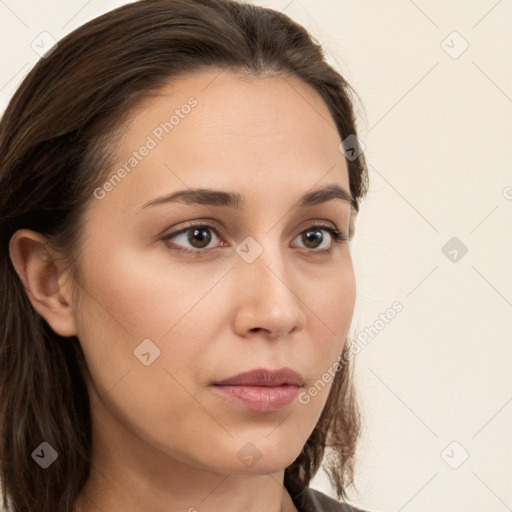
48 289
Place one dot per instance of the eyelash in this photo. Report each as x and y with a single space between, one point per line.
338 238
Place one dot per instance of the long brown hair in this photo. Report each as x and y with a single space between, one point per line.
57 137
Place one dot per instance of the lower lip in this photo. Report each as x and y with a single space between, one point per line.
260 398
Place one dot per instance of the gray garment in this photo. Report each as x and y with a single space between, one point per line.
307 499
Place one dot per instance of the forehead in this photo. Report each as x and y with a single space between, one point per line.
222 130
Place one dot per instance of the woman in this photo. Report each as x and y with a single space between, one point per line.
176 213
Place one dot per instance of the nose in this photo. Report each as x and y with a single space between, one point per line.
267 296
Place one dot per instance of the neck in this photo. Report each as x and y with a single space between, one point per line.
230 492
129 475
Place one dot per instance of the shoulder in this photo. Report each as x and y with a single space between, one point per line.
321 502
307 499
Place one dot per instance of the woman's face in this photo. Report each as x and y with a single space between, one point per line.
159 325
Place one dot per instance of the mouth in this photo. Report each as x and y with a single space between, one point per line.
264 377
261 390
260 398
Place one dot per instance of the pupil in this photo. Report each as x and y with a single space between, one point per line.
200 235
316 236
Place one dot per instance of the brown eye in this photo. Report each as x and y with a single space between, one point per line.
199 235
193 238
312 237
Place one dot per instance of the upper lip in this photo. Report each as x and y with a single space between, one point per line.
264 377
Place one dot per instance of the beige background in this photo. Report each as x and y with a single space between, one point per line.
435 381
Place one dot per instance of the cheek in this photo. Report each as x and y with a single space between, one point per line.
334 306
185 307
131 299
128 301
187 310
333 311
145 295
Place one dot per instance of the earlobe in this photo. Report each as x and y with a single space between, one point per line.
44 284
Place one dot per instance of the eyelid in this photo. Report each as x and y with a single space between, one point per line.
193 224
337 235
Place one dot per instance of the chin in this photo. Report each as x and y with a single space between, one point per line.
253 461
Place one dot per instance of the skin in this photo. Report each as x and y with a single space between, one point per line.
162 440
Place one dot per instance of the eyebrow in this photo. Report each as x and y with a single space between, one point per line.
205 196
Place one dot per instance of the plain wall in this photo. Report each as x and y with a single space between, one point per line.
435 381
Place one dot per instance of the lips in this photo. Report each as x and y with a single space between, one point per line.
264 377
261 390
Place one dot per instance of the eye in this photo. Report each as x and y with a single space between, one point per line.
313 237
199 237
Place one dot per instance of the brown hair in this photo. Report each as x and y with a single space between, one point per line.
57 138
